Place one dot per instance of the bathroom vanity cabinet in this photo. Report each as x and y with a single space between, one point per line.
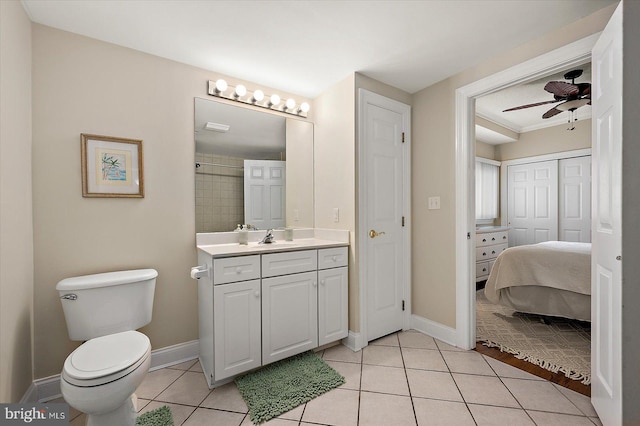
260 308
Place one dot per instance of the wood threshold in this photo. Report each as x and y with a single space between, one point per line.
557 378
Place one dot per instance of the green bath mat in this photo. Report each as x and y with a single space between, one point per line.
158 417
283 385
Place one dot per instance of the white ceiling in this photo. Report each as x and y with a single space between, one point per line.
251 135
491 106
304 47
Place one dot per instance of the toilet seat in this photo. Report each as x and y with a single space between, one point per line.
106 359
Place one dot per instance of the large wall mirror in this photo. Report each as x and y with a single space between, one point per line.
251 166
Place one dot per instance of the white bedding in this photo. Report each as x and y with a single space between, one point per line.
551 278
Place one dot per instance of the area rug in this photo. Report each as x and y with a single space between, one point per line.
158 417
283 385
555 344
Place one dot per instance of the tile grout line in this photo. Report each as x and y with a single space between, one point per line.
456 383
406 376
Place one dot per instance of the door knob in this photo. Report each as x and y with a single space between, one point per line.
373 234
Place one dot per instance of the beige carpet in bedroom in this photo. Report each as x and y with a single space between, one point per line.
562 346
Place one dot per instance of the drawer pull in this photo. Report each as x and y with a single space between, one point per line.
315 284
257 294
504 237
493 252
484 240
334 258
484 254
238 270
484 269
322 282
493 239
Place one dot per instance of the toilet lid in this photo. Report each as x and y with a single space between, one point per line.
106 355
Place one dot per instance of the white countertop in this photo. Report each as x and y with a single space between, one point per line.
487 229
235 249
225 244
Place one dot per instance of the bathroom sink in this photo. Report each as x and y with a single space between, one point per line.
273 245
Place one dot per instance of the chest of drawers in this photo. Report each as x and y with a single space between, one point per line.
488 246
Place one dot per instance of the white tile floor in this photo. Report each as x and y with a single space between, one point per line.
403 379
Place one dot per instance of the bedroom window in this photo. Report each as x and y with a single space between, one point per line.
487 187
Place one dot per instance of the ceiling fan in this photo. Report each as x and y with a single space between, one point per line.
572 95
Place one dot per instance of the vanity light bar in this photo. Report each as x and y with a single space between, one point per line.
221 89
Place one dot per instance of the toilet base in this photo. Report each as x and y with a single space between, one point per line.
125 415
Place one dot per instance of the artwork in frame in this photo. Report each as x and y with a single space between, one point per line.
111 167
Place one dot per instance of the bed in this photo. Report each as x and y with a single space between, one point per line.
551 278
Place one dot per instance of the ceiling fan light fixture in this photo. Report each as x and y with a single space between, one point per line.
575 104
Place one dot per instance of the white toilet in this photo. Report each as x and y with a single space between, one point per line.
100 377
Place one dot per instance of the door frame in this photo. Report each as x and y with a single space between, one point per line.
366 97
554 61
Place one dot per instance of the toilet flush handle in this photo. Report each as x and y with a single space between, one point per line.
69 296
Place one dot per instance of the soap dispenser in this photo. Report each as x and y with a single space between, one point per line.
243 235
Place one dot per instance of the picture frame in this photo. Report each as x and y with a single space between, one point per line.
112 167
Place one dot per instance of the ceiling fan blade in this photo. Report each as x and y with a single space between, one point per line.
553 111
561 88
532 105
584 89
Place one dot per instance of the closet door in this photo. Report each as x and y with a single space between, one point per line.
574 215
533 202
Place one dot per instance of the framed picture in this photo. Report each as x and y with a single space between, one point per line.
111 167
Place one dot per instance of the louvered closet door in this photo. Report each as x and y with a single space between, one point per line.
574 215
533 202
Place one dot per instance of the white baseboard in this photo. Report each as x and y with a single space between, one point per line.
48 388
434 329
353 341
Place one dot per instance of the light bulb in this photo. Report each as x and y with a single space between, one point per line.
258 96
221 86
240 91
291 104
274 100
304 107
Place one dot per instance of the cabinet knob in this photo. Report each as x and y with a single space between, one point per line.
315 284
334 258
322 282
257 293
238 270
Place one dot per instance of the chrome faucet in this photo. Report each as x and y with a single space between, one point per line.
268 239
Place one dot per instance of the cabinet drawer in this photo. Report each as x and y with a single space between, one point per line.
292 262
490 252
482 269
333 257
232 269
490 238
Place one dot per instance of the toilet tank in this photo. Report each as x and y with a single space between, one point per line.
108 303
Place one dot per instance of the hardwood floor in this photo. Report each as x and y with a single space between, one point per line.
558 378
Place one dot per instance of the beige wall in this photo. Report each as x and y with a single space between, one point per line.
547 141
16 244
334 158
83 85
485 150
434 169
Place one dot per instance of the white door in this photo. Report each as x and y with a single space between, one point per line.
574 211
289 315
264 193
533 202
606 280
236 310
333 323
383 214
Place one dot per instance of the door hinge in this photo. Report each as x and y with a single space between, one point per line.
402 220
468 235
402 137
403 305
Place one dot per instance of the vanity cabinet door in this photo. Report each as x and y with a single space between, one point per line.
289 315
236 320
333 323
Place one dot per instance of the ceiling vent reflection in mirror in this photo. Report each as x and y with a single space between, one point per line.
221 89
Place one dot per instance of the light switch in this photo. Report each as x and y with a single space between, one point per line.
434 203
336 215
